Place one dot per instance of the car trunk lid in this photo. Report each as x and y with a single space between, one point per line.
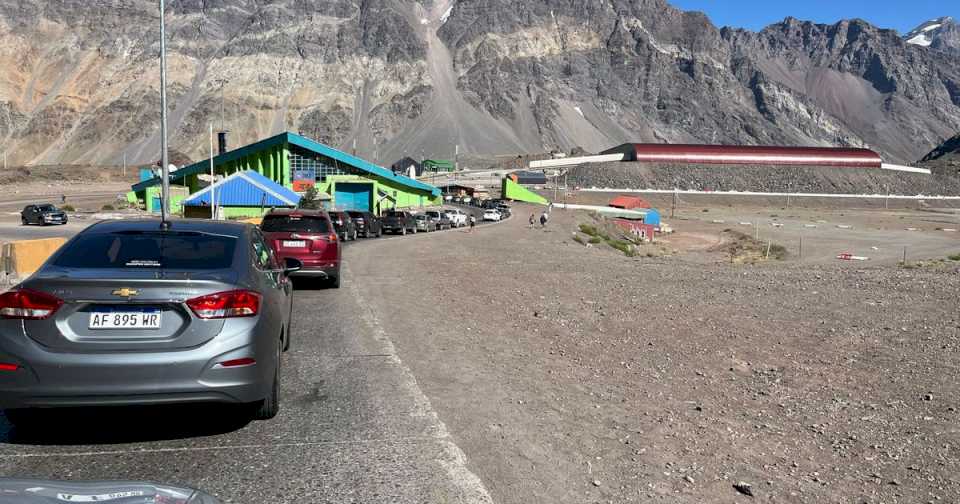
123 310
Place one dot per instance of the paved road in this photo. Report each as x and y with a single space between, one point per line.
354 427
77 200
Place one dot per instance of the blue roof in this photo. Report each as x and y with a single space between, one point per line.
304 143
245 189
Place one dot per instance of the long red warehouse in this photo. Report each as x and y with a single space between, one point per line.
748 155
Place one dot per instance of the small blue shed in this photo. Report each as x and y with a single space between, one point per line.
242 194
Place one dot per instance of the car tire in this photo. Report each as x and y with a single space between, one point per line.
23 221
335 281
403 231
379 232
355 235
270 405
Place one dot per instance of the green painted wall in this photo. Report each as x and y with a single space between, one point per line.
177 195
516 192
406 198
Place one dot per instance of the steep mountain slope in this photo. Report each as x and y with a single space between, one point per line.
593 74
939 34
945 158
399 77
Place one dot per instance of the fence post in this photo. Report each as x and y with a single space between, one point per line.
801 248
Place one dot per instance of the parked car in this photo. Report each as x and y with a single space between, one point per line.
439 219
398 221
491 215
367 224
504 210
42 214
457 217
308 236
424 223
131 313
344 225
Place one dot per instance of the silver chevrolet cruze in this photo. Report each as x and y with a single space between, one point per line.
139 313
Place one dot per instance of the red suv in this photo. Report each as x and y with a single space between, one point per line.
307 236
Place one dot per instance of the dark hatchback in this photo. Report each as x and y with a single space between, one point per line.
42 215
307 236
344 225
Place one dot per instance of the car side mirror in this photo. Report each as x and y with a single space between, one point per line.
291 265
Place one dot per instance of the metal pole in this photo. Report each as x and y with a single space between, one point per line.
565 190
673 206
886 201
904 255
165 168
223 107
124 164
213 179
801 247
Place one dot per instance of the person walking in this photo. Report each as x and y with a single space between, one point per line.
533 219
544 217
473 222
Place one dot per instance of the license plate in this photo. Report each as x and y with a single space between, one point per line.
294 243
146 318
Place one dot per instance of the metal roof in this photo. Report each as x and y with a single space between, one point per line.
302 142
749 155
246 189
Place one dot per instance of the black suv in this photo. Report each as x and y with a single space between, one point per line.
42 215
344 225
398 221
367 224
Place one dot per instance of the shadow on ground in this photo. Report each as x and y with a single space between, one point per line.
115 425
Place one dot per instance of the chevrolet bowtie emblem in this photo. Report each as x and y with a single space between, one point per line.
125 292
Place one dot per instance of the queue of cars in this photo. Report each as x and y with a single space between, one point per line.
148 312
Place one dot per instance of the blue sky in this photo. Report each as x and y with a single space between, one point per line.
755 14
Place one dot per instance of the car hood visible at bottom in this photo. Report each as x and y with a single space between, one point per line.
30 491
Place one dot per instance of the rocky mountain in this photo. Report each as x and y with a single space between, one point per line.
493 77
939 34
946 155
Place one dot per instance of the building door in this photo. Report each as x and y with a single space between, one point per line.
352 196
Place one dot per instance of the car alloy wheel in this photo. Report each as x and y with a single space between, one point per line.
270 406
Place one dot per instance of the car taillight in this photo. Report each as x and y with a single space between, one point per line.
28 304
230 304
332 237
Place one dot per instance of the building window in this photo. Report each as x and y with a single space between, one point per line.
305 165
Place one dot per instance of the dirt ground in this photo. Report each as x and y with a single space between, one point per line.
576 374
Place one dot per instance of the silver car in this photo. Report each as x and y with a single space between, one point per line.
133 313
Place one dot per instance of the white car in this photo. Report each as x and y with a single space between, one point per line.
457 217
491 215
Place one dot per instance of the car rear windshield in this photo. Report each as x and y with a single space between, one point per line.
294 224
394 214
149 250
46 208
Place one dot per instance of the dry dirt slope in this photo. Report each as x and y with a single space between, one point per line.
576 375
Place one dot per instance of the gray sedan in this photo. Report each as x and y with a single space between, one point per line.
132 313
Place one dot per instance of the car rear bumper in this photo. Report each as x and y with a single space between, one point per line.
50 379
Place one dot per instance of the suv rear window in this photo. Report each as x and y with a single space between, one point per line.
294 224
395 214
149 250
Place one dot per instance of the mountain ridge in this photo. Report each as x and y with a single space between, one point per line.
494 77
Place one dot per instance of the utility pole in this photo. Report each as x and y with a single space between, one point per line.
124 165
213 179
165 168
673 206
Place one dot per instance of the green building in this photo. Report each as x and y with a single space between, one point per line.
297 162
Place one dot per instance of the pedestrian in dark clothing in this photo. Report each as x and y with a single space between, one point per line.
543 219
532 219
473 223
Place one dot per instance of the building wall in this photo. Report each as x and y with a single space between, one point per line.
405 196
177 195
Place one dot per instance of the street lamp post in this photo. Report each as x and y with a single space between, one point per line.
165 167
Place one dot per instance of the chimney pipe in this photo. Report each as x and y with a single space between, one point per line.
221 142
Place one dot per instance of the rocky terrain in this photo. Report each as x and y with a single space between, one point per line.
397 77
941 34
945 158
672 380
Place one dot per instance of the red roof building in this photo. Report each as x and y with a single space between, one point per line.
628 202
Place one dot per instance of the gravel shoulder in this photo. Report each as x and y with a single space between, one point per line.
574 374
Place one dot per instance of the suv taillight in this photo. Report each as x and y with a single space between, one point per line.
230 304
28 304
